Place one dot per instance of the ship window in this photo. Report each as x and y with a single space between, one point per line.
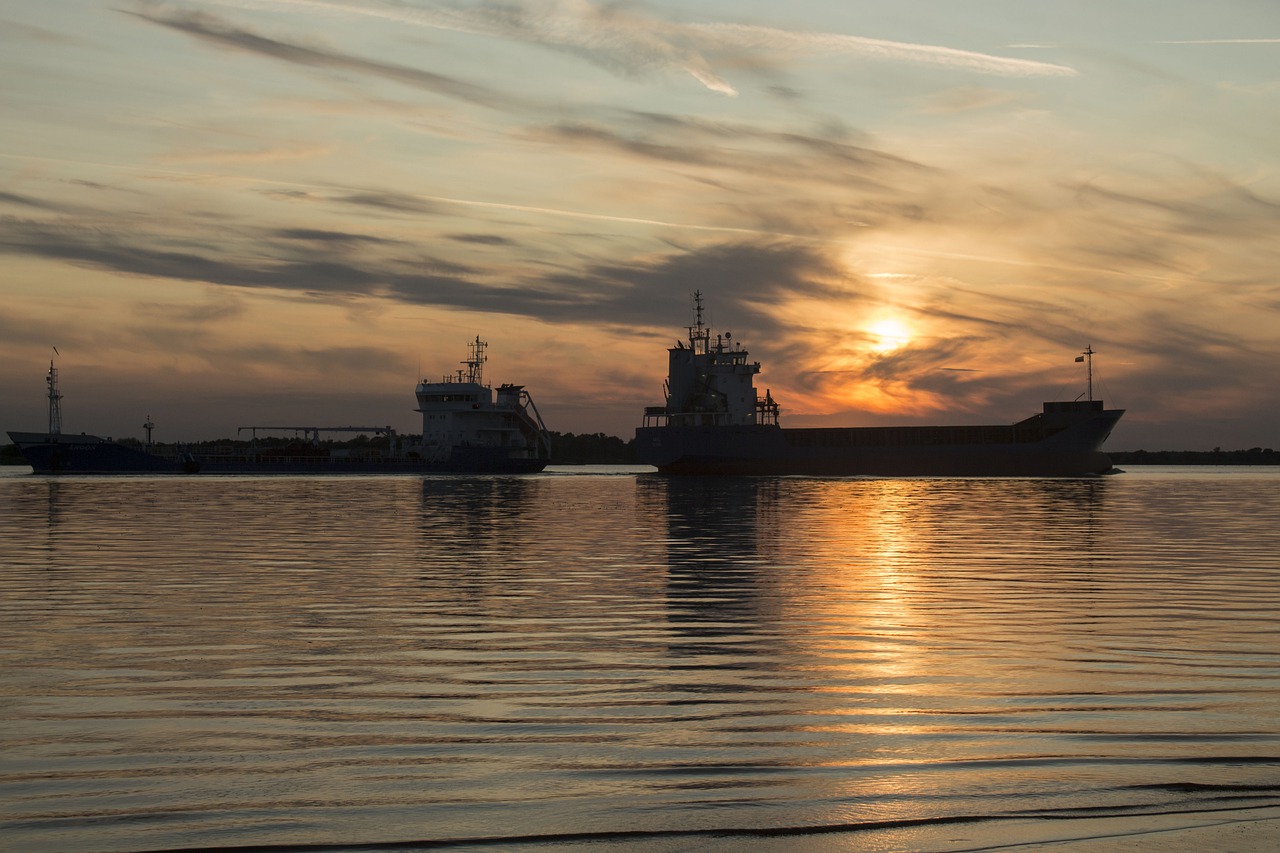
449 398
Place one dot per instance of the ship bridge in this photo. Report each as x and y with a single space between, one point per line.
711 383
461 411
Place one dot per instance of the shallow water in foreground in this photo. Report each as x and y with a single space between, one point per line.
592 654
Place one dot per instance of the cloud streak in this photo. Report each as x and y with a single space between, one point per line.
624 41
214 30
1222 41
330 263
783 42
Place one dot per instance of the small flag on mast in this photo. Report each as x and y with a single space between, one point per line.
1079 358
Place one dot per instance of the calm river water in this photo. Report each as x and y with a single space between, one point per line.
599 656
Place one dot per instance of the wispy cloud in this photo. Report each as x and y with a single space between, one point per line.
320 237
219 305
1221 41
217 31
742 147
969 99
743 36
336 263
274 154
625 40
25 201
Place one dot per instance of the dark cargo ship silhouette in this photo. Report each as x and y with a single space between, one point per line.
466 428
715 422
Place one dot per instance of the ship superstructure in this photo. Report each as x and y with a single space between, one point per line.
466 428
462 416
714 421
711 384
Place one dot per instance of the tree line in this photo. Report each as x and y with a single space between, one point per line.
1217 456
596 448
566 448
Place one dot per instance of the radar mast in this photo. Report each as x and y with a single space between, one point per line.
475 361
55 401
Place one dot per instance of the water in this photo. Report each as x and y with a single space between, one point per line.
593 655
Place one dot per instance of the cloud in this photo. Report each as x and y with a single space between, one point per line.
392 201
1222 41
482 239
1216 206
28 32
783 42
434 205
610 36
968 99
748 279
25 201
330 360
122 253
625 41
322 237
636 290
787 184
274 154
214 30
220 305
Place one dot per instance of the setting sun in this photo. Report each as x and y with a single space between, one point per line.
889 334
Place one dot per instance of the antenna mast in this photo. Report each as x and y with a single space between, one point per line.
699 334
1088 360
475 364
55 401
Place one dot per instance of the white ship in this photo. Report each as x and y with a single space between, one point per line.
467 427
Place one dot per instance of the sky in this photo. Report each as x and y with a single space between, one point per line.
224 213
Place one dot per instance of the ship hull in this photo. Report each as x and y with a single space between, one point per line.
88 454
1030 449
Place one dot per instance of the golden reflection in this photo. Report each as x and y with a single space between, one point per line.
870 554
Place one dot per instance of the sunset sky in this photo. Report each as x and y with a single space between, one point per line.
252 211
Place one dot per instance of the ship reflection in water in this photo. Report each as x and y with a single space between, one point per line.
657 663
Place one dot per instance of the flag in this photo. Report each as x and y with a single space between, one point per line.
1079 358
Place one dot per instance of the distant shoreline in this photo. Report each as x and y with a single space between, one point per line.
1256 456
607 450
601 449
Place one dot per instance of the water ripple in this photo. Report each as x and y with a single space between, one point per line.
366 663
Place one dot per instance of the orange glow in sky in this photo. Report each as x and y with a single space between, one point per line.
889 334
223 211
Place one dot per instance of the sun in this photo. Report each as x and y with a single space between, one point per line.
889 334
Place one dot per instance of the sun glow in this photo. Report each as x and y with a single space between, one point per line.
889 334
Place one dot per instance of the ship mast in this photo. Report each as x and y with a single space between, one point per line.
475 363
55 402
1087 358
699 332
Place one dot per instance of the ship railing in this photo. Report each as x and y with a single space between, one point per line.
699 417
913 436
655 416
767 410
533 425
659 416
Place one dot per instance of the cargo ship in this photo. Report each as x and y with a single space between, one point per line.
467 427
715 422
